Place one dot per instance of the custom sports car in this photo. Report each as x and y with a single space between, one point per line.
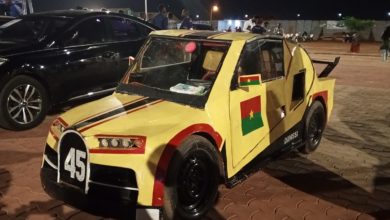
194 106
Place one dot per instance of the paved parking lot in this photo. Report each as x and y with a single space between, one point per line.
348 177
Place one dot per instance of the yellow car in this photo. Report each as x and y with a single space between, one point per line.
194 106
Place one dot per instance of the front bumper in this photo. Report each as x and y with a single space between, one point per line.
112 191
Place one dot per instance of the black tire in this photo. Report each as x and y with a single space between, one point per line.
23 103
192 180
314 126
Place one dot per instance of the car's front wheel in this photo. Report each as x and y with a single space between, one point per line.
23 103
192 180
314 126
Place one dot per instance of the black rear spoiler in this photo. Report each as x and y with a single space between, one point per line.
330 66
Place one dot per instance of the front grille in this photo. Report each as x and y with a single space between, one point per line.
73 160
116 176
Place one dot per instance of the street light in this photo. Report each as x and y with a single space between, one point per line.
214 8
246 15
197 16
298 15
388 14
339 15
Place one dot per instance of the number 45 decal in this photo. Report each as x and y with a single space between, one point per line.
74 164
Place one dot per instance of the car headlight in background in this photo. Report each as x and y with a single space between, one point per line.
120 144
2 61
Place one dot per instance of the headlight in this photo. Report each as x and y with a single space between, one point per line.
120 144
2 61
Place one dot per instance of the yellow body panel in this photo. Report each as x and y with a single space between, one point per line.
162 120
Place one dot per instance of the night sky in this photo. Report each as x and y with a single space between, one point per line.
236 9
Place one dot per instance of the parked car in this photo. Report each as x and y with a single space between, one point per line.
194 106
48 59
5 19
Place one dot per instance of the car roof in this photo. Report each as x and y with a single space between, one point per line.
214 35
83 13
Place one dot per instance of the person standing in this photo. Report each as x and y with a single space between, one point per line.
186 23
279 30
385 46
258 28
161 19
12 9
172 23
249 24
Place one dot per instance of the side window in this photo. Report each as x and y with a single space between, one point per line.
271 60
125 29
248 64
91 31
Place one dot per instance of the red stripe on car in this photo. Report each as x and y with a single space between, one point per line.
163 164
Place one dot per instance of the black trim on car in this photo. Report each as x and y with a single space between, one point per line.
270 153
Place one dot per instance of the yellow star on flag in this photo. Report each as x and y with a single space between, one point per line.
249 80
251 114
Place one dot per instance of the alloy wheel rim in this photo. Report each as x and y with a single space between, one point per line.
24 104
316 128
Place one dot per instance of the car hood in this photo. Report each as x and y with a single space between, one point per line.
121 114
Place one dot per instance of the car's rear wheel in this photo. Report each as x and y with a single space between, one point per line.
23 103
192 180
314 126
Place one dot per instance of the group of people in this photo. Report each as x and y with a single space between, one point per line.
258 25
164 19
10 8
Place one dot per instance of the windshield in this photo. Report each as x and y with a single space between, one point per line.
180 70
30 28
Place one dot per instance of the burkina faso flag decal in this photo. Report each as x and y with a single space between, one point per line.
250 80
251 115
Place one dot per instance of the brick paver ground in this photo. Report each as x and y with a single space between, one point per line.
348 177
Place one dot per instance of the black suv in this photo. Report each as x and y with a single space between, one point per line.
48 59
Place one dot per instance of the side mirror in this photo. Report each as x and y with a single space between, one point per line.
131 60
249 80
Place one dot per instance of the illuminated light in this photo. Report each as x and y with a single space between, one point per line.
339 14
298 15
230 22
388 13
114 142
138 143
125 143
215 8
104 142
197 16
246 15
237 23
41 67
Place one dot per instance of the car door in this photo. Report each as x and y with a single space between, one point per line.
257 100
81 63
248 100
125 37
